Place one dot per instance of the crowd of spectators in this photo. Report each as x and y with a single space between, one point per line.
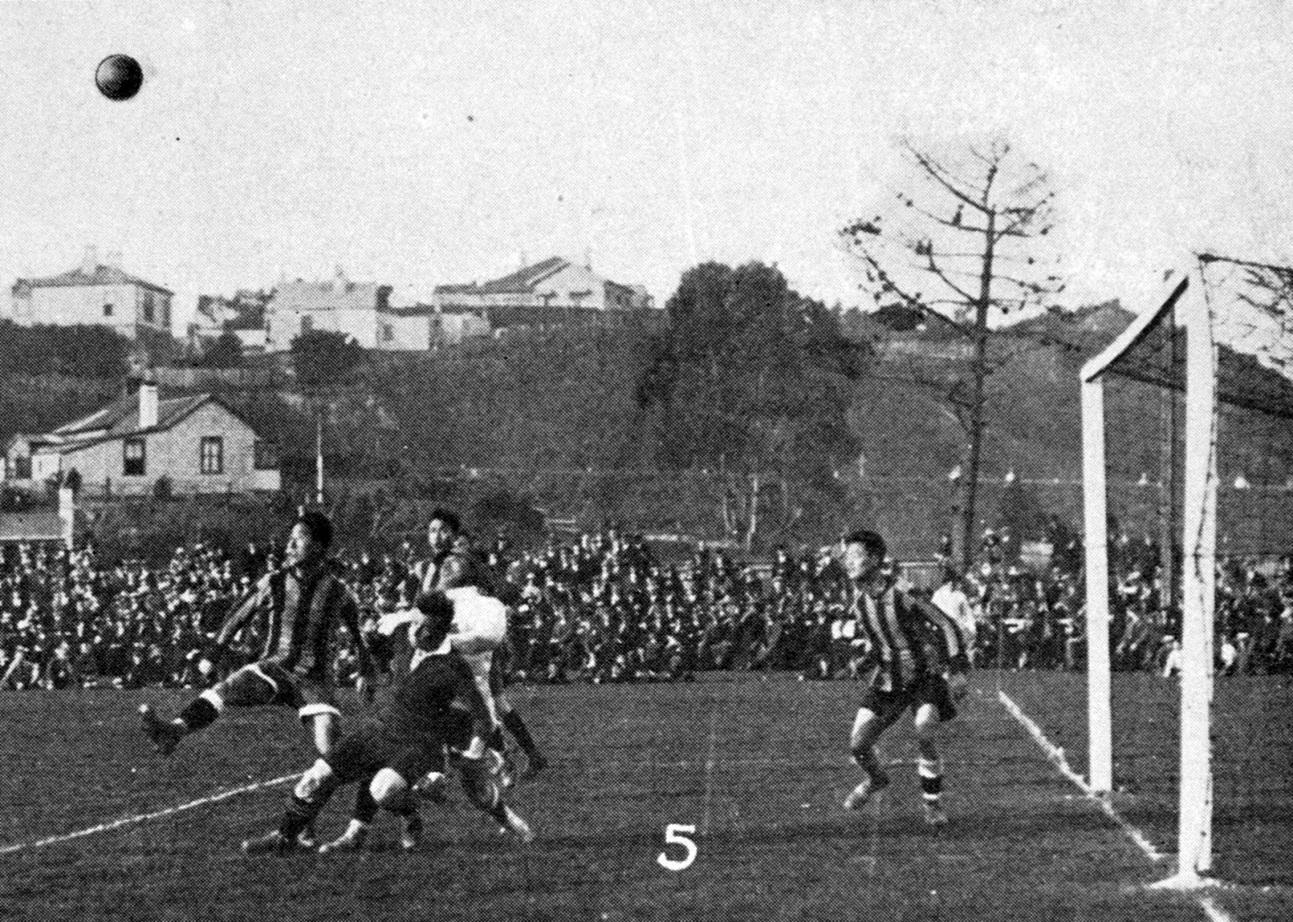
606 608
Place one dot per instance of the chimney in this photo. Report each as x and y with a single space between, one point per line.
91 261
148 401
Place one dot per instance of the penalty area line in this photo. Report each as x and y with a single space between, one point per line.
145 817
1057 758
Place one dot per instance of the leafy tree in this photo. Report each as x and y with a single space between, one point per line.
76 351
752 381
224 352
323 359
967 251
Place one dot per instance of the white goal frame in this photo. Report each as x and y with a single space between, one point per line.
1185 295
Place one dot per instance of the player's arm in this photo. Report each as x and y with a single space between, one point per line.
349 614
481 724
237 618
949 643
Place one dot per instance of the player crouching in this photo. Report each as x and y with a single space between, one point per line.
409 741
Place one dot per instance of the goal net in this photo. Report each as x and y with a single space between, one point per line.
1188 516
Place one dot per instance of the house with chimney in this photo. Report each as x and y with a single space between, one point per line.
194 443
98 293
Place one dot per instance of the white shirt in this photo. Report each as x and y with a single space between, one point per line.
956 605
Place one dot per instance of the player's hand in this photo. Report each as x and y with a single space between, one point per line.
367 688
205 667
958 683
476 750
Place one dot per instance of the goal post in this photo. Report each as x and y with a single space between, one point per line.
1218 344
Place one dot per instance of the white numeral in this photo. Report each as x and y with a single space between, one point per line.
677 834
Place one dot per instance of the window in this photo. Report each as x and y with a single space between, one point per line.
265 455
22 467
211 455
148 307
387 333
133 462
107 310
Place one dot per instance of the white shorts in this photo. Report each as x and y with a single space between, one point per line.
479 621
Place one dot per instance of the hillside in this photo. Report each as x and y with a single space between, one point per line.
554 416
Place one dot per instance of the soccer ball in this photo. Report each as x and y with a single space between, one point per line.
119 77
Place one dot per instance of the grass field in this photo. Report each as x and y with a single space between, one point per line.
758 767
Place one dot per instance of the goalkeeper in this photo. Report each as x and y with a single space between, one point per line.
422 720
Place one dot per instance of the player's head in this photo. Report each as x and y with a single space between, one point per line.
443 529
864 553
309 539
437 616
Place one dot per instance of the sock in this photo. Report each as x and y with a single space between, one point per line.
365 805
931 779
197 714
298 814
516 726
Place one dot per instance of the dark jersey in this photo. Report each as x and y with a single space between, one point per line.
908 638
302 616
421 702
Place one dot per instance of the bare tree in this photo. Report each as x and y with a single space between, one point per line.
964 248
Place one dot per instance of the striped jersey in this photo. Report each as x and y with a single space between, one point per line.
302 614
908 638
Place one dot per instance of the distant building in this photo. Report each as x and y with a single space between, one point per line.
357 309
435 329
549 293
197 443
98 294
243 315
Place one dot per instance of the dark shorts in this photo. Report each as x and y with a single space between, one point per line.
371 748
268 683
889 705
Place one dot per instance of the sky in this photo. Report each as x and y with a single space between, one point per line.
413 145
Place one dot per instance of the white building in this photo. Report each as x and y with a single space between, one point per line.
96 294
550 292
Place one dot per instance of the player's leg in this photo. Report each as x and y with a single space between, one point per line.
308 798
867 727
361 819
392 791
251 685
934 705
486 793
929 765
512 720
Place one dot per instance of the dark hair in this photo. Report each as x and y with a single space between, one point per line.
318 525
438 613
871 542
449 517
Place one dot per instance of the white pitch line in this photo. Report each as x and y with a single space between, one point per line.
1056 755
145 817
710 762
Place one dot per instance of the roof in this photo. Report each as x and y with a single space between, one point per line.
120 419
519 282
102 275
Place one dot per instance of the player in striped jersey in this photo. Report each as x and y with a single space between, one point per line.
919 661
302 602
